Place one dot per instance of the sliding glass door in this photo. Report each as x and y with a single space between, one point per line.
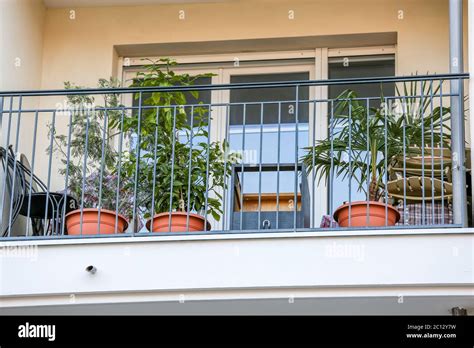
269 127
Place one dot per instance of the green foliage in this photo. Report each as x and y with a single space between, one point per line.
176 159
382 131
92 130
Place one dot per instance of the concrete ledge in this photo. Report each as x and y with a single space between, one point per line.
194 236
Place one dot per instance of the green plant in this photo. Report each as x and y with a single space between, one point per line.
174 154
91 160
378 136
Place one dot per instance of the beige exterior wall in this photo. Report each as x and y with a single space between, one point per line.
21 47
82 49
79 44
21 43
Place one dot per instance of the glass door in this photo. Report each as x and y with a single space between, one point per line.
269 128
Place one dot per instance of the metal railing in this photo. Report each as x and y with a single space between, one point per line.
127 167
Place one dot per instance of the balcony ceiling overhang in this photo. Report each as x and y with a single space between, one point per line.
96 3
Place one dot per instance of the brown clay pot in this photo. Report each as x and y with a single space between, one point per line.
90 218
359 214
178 222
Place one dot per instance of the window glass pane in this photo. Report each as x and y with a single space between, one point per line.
265 141
270 143
359 68
204 97
257 95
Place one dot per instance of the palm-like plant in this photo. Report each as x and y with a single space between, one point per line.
364 142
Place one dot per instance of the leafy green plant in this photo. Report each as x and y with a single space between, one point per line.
91 162
378 136
180 169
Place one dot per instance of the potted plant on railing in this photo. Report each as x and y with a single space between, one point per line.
90 166
376 137
181 173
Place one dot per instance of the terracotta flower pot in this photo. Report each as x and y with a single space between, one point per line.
90 218
359 214
178 222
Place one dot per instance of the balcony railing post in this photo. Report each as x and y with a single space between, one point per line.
457 113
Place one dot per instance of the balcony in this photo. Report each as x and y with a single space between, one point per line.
295 113
149 160
265 182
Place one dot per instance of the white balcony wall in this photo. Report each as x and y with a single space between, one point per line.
324 264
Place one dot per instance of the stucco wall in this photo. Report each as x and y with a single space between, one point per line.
21 42
21 47
78 44
81 49
21 52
